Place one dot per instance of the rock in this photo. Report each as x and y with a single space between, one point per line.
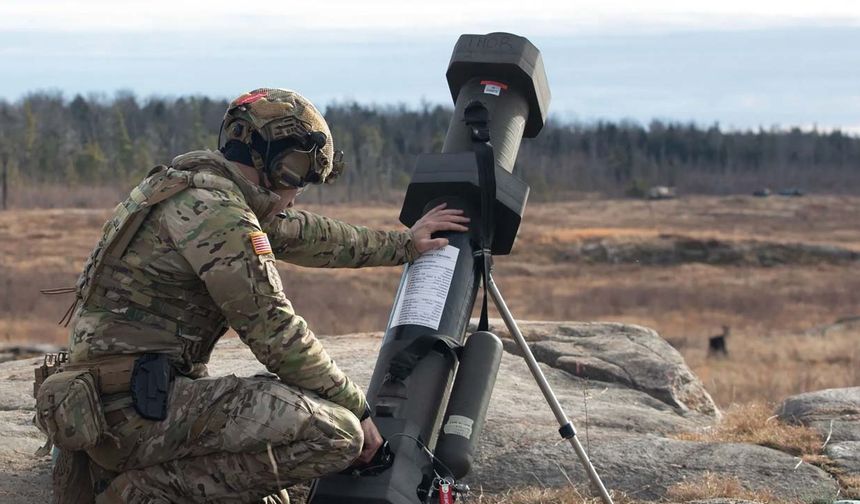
818 409
835 414
642 466
19 435
722 501
629 355
846 455
625 419
16 385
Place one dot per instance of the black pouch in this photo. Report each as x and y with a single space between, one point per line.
150 385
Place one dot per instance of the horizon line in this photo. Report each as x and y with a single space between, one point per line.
108 98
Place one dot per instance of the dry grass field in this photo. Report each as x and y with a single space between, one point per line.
781 311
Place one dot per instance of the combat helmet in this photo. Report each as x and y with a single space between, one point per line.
288 137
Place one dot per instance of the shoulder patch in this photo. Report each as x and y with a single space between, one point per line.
260 243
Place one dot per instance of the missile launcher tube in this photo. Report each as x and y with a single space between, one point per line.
504 74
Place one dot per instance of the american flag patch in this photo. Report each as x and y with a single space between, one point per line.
260 243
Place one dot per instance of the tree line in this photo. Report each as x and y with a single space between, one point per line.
91 141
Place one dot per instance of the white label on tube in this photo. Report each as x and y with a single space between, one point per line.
427 282
493 89
459 426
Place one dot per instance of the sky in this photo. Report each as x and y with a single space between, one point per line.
742 64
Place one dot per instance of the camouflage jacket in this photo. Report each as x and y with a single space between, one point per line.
200 262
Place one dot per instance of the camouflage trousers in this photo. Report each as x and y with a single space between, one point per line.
226 440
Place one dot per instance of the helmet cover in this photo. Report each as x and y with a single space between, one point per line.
279 115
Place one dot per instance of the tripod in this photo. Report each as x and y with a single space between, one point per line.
566 429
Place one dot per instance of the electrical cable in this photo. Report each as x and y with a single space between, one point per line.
426 450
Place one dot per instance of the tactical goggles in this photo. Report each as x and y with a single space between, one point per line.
295 168
297 162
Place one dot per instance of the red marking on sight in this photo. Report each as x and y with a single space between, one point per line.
494 83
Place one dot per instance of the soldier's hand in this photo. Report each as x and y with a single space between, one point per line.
437 219
372 442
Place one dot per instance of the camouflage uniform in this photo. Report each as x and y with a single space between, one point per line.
188 273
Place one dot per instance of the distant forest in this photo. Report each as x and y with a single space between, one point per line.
46 139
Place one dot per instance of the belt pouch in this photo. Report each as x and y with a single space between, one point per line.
68 410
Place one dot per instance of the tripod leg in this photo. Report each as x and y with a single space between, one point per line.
566 430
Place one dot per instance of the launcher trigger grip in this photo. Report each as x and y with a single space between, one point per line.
382 460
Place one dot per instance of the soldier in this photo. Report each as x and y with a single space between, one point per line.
192 252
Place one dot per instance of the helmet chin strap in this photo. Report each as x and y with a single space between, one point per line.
261 158
266 182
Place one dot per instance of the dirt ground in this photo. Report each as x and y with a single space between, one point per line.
782 341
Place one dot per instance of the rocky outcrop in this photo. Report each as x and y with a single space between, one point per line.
24 478
638 394
629 355
644 466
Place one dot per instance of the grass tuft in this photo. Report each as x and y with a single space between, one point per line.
754 423
850 486
712 486
538 495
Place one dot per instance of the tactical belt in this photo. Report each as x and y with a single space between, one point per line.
113 378
113 374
